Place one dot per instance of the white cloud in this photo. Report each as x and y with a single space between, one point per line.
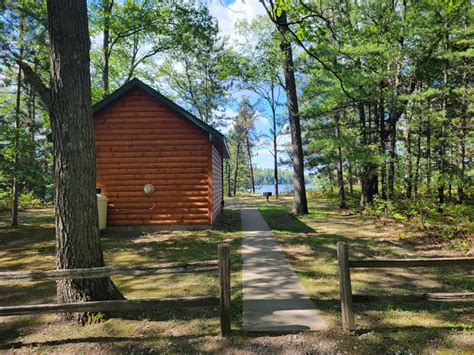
260 120
263 158
229 15
283 139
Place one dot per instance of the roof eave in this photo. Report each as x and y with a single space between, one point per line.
217 137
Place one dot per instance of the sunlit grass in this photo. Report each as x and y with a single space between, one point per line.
32 248
310 243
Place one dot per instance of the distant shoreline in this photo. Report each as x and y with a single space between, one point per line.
259 189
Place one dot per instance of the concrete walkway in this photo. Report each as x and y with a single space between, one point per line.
273 297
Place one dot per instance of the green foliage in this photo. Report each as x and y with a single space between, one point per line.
396 75
26 200
264 176
374 65
423 221
138 32
198 77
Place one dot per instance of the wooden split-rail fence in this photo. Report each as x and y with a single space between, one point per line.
224 299
347 298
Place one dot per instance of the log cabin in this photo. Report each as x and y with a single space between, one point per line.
157 164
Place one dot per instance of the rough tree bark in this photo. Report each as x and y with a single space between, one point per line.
373 134
367 175
382 138
107 6
417 164
300 204
236 171
339 169
77 234
464 120
228 173
428 156
274 139
249 155
392 158
328 170
16 158
396 109
350 178
442 139
408 177
69 104
16 163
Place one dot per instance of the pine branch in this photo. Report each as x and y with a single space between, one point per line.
35 81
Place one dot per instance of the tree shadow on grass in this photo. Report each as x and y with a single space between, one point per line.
228 221
13 328
280 219
118 344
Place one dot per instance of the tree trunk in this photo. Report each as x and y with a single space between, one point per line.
408 178
133 59
249 154
462 153
237 153
350 178
442 168
368 168
275 169
16 163
428 157
450 178
392 157
31 124
376 184
77 234
32 116
330 178
107 6
382 137
300 204
442 138
228 173
340 173
463 129
417 165
367 182
274 139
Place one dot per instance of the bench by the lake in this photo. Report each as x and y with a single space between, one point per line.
267 195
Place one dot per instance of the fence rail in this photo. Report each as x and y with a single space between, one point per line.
224 300
106 271
347 298
107 306
396 263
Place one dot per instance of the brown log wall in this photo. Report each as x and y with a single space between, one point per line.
140 141
216 183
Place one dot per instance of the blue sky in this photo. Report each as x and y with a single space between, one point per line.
228 13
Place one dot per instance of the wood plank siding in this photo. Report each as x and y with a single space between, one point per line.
142 141
217 194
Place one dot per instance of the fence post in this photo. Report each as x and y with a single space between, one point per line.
224 286
348 323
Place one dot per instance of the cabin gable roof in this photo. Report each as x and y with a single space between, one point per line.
216 138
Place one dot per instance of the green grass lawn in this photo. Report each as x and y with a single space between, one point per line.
32 246
309 242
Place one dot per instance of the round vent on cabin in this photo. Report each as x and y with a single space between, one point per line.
148 189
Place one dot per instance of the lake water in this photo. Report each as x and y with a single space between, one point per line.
260 189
